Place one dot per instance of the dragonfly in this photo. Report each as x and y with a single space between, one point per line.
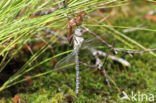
77 41
78 45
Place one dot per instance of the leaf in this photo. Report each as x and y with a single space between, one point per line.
29 82
16 98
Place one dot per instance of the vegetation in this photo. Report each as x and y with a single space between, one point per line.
29 52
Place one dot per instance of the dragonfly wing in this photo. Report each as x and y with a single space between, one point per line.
70 59
65 62
90 43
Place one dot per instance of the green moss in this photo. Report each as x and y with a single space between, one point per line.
59 87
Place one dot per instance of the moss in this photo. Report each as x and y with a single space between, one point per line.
59 87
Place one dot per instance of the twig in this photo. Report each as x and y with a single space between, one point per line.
63 4
105 75
103 71
63 38
85 64
30 50
135 52
40 13
114 84
101 53
116 49
97 37
122 61
151 12
51 10
52 50
99 64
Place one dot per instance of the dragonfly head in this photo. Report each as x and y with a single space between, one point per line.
78 32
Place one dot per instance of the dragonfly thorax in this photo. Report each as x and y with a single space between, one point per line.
78 39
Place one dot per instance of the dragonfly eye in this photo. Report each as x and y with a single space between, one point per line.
79 32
